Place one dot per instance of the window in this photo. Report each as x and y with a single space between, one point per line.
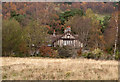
67 42
64 43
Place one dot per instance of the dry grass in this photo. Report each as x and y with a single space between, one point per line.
58 69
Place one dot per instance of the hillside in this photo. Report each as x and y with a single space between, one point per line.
27 27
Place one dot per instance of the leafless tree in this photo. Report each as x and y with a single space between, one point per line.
81 26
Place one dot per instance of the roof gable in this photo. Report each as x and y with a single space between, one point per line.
64 36
68 35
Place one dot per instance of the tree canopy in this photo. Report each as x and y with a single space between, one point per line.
25 24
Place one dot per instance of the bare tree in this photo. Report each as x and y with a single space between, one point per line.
80 26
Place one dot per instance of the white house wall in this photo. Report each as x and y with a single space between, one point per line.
75 43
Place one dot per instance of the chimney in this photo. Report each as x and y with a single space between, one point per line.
67 29
54 33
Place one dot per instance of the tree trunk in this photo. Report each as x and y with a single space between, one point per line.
116 37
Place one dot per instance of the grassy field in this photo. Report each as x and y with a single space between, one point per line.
58 69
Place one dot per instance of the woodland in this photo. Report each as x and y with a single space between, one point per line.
28 23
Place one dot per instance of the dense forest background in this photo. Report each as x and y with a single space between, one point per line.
25 24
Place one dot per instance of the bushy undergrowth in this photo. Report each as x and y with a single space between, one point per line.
20 55
117 56
66 51
47 52
99 54
69 51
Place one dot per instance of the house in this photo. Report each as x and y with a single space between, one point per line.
68 38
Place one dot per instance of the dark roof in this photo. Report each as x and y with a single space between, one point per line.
57 37
54 38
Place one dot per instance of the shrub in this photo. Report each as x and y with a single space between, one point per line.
88 55
97 54
48 52
20 55
117 56
109 50
79 52
97 51
66 51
